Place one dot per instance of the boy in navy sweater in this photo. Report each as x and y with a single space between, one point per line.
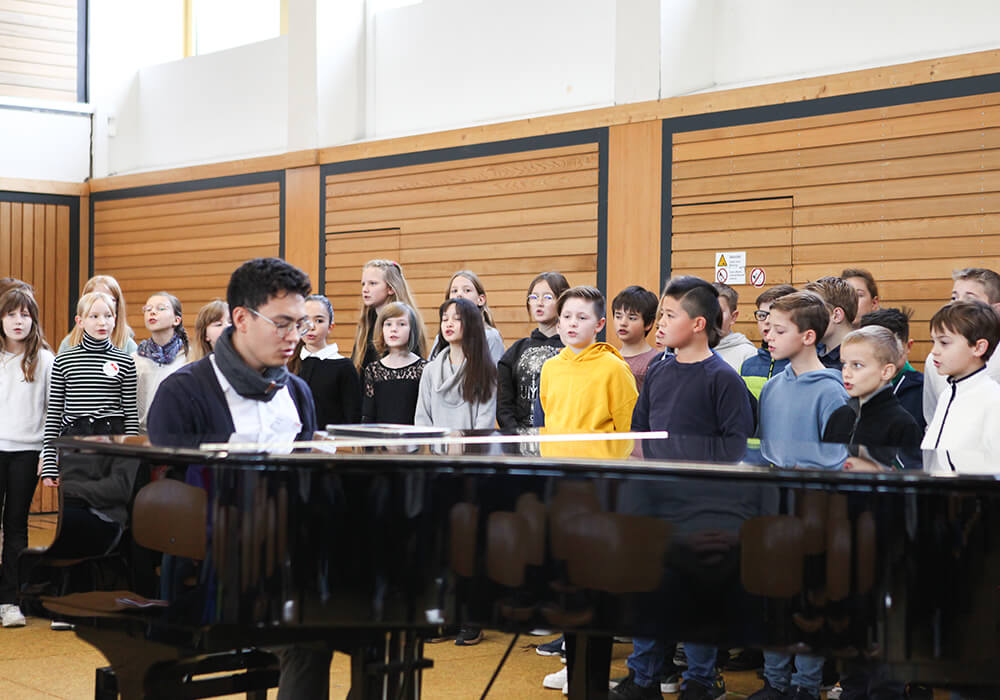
842 303
704 405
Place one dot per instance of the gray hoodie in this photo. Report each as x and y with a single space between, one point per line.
735 348
440 402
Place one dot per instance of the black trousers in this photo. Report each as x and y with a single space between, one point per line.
18 478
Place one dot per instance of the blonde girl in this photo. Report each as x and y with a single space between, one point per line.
382 282
164 352
93 388
25 369
213 318
122 336
391 384
466 284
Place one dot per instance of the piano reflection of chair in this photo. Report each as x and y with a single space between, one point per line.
169 517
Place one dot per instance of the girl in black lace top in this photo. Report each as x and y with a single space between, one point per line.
392 383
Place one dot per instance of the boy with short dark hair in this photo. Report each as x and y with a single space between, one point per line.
969 284
908 384
733 347
965 429
842 302
634 312
864 284
873 418
588 386
795 407
757 369
701 401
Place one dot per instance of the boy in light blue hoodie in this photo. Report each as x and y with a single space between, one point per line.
797 403
795 406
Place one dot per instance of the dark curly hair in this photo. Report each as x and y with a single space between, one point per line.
256 281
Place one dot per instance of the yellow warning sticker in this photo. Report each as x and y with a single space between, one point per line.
722 260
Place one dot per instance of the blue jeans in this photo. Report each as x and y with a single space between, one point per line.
649 657
701 663
808 671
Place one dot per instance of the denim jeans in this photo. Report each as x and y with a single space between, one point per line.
647 660
808 671
701 663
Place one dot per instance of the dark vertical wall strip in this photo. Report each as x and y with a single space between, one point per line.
890 97
321 284
602 219
74 233
82 23
281 215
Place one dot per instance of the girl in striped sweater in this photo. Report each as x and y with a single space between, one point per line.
93 388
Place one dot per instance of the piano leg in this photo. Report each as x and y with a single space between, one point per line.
588 661
388 666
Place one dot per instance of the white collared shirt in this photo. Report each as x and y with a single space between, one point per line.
259 420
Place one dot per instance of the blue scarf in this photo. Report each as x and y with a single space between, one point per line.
161 354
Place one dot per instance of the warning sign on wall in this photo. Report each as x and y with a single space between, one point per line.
731 267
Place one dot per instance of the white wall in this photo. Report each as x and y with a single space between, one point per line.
772 40
39 145
447 63
346 73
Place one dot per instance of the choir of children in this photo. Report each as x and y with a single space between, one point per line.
829 387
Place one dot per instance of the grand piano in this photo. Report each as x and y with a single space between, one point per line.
370 542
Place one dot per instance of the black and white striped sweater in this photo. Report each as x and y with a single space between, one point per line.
93 379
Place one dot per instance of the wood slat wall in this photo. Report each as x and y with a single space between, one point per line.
38 49
909 192
187 243
505 217
35 247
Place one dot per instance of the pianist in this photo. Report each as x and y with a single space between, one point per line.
244 388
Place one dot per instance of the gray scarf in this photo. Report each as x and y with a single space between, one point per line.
247 383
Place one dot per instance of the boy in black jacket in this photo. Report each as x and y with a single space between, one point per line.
874 418
908 384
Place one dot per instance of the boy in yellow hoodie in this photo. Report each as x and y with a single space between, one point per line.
588 387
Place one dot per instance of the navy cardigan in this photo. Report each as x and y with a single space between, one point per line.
189 407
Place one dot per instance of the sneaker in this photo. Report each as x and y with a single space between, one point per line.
834 693
802 694
540 632
680 658
11 615
745 660
554 648
672 684
628 689
60 626
557 680
696 691
468 636
769 692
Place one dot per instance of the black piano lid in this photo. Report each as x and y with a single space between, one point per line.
494 452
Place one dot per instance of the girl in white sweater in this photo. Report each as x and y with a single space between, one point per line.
25 370
164 352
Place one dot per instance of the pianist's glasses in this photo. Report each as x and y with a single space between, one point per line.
302 326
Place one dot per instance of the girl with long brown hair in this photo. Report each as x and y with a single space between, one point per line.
466 284
25 371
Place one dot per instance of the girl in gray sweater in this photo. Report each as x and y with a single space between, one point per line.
458 387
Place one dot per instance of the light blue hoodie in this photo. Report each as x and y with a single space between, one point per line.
793 414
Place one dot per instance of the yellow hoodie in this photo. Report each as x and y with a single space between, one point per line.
592 391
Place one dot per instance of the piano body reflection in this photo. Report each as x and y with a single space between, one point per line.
372 544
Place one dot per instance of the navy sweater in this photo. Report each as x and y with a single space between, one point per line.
705 407
190 408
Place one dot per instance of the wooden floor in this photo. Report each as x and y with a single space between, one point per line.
36 662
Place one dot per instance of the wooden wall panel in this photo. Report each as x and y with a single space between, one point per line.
35 247
909 192
38 49
185 243
505 217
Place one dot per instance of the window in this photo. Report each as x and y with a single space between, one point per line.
216 25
